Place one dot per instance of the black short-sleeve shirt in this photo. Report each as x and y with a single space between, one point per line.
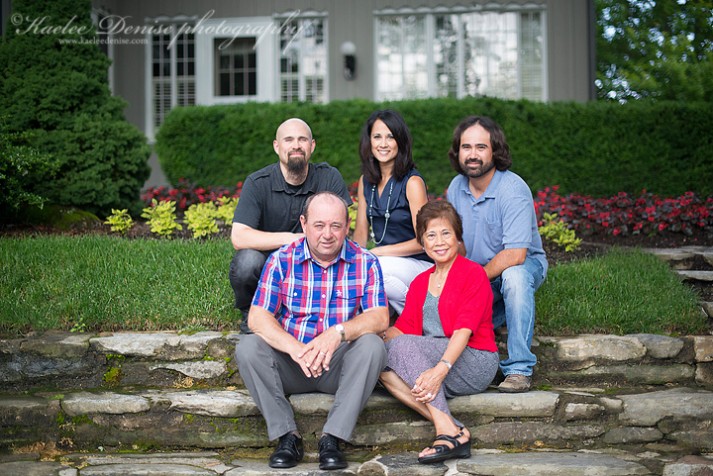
268 203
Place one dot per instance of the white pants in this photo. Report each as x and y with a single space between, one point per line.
398 273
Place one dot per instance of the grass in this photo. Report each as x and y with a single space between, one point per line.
102 283
622 292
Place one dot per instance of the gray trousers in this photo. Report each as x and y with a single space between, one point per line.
271 375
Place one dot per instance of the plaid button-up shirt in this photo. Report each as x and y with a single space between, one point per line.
307 298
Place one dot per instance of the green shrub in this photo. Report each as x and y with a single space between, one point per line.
59 217
161 217
596 149
120 221
59 93
200 218
23 173
557 232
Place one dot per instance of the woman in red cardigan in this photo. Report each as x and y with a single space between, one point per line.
443 343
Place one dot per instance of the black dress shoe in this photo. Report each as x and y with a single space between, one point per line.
288 453
330 456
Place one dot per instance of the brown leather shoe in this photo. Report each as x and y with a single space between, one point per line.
515 383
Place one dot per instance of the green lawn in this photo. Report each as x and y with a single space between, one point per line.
101 283
97 283
623 292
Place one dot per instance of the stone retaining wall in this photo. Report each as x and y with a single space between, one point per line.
165 390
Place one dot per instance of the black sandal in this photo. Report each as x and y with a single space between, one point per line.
444 452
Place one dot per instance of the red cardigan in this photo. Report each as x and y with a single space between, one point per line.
466 302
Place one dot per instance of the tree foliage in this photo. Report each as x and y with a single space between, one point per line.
660 49
54 89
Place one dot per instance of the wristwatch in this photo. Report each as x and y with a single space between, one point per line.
340 329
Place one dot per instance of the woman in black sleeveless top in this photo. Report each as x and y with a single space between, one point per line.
390 194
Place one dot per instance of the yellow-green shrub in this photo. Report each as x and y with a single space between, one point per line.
161 217
120 221
200 218
557 232
226 209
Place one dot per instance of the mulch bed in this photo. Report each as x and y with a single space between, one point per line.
597 244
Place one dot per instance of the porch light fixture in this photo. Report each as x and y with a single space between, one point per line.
349 50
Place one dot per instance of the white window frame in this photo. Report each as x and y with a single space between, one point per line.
302 88
267 57
178 21
430 20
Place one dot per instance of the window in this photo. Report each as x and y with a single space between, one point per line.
236 65
172 74
401 57
303 60
490 53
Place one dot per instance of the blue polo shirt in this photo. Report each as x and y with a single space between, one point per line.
503 217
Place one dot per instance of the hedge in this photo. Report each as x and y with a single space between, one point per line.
597 148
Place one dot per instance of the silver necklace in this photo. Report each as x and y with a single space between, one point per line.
386 215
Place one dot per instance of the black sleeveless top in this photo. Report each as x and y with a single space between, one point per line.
399 227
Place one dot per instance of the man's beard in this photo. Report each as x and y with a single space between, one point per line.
480 171
296 165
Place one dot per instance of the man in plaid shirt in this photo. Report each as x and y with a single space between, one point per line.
316 316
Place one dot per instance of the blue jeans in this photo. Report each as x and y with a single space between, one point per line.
514 306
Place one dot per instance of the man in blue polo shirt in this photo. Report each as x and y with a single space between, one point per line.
271 201
500 233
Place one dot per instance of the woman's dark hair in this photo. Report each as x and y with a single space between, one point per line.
438 209
501 151
403 163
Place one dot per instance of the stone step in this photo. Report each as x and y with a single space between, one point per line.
707 308
681 258
693 275
481 462
680 419
66 361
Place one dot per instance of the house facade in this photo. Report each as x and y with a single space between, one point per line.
169 53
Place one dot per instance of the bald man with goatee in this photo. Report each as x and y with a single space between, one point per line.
272 199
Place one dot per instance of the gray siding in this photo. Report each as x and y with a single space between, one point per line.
569 49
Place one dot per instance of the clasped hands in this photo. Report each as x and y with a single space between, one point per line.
428 385
315 356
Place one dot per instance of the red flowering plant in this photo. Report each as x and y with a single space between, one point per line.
623 214
186 194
